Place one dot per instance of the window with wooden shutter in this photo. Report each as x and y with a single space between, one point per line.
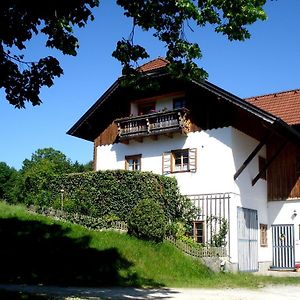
133 162
181 160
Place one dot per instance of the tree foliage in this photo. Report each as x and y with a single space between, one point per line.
8 179
37 172
19 22
168 20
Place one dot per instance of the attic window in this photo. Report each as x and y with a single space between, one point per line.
179 103
146 108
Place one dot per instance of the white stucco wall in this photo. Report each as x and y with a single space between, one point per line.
160 105
215 165
220 152
248 196
283 212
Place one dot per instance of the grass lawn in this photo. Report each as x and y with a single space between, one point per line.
39 250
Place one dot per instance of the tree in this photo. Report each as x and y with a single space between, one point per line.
169 19
19 20
37 172
80 168
8 179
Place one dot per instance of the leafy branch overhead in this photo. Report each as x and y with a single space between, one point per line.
21 20
169 19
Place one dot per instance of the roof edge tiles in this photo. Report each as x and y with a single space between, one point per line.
285 105
153 65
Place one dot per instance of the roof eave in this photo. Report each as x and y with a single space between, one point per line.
93 108
74 129
237 101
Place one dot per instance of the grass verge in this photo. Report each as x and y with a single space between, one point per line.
39 250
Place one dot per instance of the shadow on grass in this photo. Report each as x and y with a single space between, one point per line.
33 252
26 292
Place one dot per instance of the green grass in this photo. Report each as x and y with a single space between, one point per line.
39 250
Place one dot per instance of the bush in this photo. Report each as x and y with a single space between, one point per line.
147 221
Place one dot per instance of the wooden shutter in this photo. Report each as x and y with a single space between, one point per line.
193 159
166 163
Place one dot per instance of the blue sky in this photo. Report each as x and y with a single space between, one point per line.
268 62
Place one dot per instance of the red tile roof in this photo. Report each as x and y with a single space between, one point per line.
154 64
285 105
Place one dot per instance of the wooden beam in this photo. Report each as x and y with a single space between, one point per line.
268 163
252 155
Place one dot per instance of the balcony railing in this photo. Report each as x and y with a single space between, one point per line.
153 124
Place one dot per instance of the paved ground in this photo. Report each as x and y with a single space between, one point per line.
117 293
267 293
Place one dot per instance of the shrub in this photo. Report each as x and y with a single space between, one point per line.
147 221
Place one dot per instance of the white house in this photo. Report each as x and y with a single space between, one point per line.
233 159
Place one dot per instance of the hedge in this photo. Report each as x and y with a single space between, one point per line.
115 193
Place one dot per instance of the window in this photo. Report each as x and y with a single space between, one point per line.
179 103
146 108
198 232
133 162
261 164
181 160
263 235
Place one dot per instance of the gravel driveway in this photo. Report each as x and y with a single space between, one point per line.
266 293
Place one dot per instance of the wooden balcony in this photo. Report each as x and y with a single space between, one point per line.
153 125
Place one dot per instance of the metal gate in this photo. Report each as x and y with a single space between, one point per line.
283 247
247 234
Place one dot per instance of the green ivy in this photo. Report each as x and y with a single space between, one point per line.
116 193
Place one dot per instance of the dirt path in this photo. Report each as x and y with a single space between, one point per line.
267 293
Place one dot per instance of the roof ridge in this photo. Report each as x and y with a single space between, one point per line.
157 58
270 94
156 63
